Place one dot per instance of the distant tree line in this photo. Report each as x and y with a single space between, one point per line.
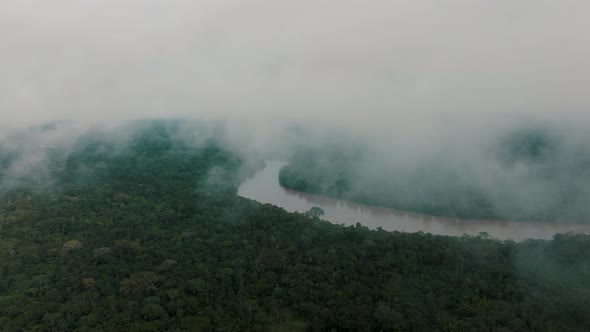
535 175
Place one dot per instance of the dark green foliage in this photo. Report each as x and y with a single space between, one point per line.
166 244
531 174
315 213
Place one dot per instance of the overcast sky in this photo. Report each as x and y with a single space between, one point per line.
370 63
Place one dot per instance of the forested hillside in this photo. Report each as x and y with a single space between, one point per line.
530 174
151 236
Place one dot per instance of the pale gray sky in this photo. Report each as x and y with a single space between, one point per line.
366 62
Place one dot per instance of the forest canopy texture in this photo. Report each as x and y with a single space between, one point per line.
150 235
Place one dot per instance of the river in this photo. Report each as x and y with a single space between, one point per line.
264 187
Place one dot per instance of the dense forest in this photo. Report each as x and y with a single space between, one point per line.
150 235
531 174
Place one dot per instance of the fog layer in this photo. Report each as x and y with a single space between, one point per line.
433 82
382 64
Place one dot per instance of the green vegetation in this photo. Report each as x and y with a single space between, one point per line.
152 237
532 175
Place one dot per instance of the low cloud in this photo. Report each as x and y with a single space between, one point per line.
415 81
351 63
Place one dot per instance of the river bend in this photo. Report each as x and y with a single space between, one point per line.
264 187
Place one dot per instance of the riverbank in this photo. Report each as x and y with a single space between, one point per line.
264 187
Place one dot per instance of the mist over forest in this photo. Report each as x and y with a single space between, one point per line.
527 173
128 126
139 229
534 174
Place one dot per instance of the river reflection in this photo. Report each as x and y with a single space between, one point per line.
264 187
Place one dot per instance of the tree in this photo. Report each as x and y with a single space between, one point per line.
315 213
140 283
152 311
72 245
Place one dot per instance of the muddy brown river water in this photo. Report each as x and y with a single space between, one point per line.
264 187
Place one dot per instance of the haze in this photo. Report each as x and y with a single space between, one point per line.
429 82
371 65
